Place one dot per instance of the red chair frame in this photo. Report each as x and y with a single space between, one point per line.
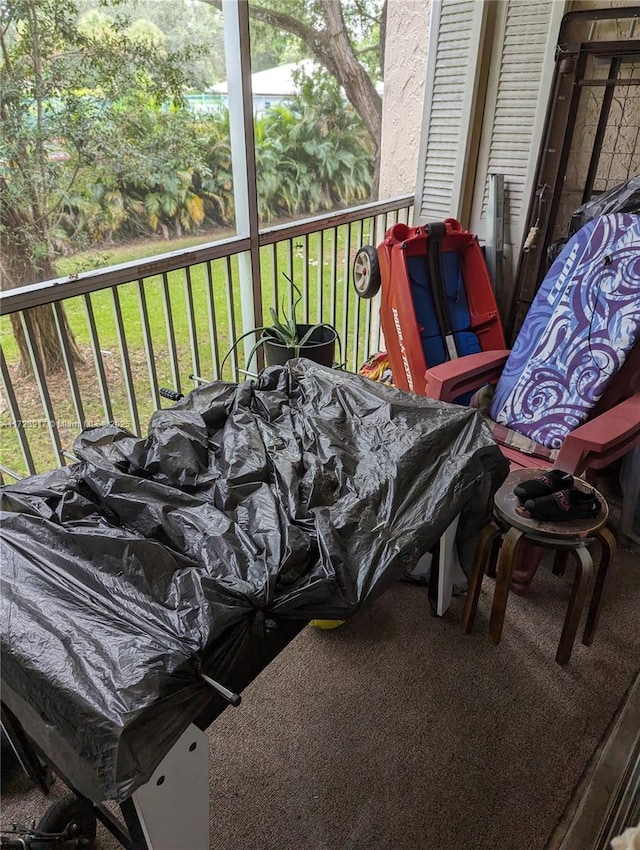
612 430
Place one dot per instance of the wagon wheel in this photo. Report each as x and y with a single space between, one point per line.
366 272
73 818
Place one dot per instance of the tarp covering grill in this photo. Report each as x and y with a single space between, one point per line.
302 494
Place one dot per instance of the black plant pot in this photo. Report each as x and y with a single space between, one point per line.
320 347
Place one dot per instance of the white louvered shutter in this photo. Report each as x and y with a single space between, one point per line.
455 39
517 93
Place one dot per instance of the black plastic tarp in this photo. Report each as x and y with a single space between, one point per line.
620 199
303 494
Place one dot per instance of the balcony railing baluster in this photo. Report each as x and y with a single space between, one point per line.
213 325
356 337
366 306
14 409
305 278
333 293
275 284
41 380
126 361
231 316
291 279
191 321
171 333
148 345
344 326
97 359
320 275
210 280
67 356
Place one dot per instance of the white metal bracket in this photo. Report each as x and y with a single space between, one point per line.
173 807
450 571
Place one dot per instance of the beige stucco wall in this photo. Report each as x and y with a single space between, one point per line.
404 81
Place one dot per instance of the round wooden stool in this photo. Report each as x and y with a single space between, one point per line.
514 525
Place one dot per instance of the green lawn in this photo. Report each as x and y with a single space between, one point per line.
199 347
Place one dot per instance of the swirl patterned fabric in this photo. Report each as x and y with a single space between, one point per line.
581 325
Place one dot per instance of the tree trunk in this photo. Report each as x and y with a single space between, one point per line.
383 35
45 340
354 79
20 267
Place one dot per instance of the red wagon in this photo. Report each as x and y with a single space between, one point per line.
437 299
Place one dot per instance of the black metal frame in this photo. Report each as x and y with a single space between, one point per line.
560 125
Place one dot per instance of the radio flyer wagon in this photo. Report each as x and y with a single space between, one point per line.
437 300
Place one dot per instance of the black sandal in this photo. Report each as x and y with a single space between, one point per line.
564 505
544 485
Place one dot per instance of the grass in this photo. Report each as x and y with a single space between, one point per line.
200 345
113 255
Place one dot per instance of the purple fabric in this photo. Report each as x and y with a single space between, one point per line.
583 322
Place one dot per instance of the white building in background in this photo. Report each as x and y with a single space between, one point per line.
272 86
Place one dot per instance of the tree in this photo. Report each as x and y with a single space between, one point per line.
312 153
329 29
62 91
185 27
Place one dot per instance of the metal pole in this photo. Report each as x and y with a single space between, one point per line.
243 159
605 109
495 235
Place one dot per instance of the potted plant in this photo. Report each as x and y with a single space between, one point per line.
287 338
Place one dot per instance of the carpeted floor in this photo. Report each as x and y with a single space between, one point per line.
397 732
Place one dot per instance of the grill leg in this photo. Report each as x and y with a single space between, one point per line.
449 567
173 807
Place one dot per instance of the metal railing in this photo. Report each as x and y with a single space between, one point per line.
147 324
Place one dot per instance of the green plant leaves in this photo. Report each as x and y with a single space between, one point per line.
284 330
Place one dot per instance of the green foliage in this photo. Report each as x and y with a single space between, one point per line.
271 47
97 146
363 24
189 29
213 178
313 154
285 327
166 172
62 88
285 330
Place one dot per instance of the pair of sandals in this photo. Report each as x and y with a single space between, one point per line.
552 498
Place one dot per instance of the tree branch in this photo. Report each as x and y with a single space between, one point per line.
279 20
371 49
5 53
317 41
331 46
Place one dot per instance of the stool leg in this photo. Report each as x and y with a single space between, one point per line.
503 580
484 547
490 569
608 550
560 562
584 571
525 567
